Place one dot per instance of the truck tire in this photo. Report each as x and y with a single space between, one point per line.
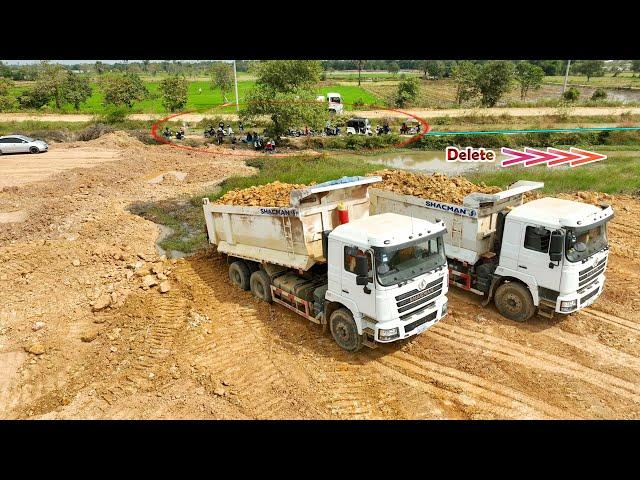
261 285
239 274
344 330
513 301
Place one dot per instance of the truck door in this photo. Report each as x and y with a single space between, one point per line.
366 301
533 258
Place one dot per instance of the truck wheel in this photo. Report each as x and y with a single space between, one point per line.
344 330
239 274
261 285
513 300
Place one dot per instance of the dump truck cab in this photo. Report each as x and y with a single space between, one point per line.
335 102
545 256
390 272
368 278
559 249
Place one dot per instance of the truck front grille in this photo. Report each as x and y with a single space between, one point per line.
413 325
588 296
415 298
589 274
429 306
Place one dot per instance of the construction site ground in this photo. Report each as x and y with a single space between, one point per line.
86 332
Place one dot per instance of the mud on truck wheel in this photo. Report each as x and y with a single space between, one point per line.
239 274
344 330
261 285
514 301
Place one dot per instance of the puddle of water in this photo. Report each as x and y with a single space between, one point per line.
431 161
427 161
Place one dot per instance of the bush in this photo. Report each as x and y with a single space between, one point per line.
358 102
52 135
93 131
571 95
599 94
113 115
7 103
407 92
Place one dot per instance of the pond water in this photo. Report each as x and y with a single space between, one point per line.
427 161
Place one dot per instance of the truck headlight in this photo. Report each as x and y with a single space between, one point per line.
444 309
568 305
388 333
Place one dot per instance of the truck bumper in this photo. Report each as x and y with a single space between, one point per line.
583 298
412 325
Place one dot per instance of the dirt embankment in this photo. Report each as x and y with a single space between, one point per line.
86 332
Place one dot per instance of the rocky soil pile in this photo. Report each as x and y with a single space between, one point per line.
275 194
433 187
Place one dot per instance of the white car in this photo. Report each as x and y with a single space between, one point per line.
21 144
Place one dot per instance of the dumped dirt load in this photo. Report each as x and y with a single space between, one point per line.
118 139
275 194
433 187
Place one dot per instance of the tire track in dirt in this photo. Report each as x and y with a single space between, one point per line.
620 322
348 390
536 359
239 350
501 399
341 385
592 347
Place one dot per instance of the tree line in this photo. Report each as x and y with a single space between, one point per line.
59 85
144 67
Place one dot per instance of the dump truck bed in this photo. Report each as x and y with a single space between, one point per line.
290 236
470 226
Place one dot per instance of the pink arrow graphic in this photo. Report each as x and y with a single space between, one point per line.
587 157
519 156
562 157
542 157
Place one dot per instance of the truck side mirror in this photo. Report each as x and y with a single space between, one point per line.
556 247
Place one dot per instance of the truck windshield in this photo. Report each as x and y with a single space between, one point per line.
334 99
404 262
584 242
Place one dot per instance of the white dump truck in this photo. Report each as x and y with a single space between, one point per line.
334 102
368 278
548 254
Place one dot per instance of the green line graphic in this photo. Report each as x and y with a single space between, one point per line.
546 130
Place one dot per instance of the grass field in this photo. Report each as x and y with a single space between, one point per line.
442 94
623 80
201 96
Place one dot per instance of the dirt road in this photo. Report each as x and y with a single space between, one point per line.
420 112
18 169
206 350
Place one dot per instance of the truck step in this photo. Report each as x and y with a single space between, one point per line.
368 340
547 308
